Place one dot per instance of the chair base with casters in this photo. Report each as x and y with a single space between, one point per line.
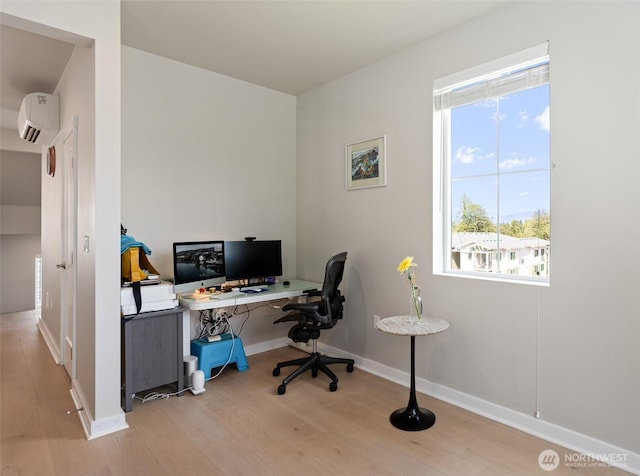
315 362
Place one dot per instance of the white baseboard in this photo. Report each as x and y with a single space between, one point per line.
92 428
50 341
586 445
95 428
266 346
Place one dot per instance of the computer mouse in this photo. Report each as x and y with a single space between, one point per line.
285 283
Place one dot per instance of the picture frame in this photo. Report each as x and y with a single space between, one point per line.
366 163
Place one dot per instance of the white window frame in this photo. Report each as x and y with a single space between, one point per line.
486 80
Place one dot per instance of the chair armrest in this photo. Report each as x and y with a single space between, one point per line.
309 310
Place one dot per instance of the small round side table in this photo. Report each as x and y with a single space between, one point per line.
412 418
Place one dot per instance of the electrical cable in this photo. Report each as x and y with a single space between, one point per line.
209 324
247 311
212 323
159 395
233 345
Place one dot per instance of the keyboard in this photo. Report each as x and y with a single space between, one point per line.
255 289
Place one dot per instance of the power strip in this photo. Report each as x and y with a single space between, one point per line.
219 337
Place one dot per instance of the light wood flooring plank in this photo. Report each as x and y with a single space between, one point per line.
25 454
241 426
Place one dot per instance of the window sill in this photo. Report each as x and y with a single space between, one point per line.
500 278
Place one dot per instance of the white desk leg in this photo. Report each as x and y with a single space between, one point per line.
186 332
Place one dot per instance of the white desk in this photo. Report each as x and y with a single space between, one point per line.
296 288
412 418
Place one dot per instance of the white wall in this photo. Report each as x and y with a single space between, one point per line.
93 24
76 89
205 156
569 351
20 219
17 273
19 226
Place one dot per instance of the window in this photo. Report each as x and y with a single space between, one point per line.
492 168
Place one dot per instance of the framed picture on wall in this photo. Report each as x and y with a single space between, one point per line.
366 163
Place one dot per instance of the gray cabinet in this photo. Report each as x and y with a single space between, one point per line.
151 352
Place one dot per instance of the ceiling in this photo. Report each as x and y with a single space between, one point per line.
29 63
289 46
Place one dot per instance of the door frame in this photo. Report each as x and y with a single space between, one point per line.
69 247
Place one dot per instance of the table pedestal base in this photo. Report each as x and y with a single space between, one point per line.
412 418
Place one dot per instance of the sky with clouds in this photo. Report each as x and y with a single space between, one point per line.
501 155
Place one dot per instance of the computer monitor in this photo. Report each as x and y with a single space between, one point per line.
252 259
198 264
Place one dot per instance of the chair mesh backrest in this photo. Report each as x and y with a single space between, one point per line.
333 277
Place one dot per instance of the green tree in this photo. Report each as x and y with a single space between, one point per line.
515 229
473 218
538 226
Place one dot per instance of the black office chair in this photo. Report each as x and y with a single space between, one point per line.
312 317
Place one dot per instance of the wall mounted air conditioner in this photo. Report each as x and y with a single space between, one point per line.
39 118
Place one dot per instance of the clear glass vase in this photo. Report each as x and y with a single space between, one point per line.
415 304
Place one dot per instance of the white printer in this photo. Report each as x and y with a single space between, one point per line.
155 297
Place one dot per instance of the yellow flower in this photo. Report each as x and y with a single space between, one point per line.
405 267
405 264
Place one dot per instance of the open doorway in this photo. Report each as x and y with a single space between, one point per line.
32 62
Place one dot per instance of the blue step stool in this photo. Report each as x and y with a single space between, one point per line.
215 354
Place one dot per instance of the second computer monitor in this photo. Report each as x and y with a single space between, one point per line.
252 259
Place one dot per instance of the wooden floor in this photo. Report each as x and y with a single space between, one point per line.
240 426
